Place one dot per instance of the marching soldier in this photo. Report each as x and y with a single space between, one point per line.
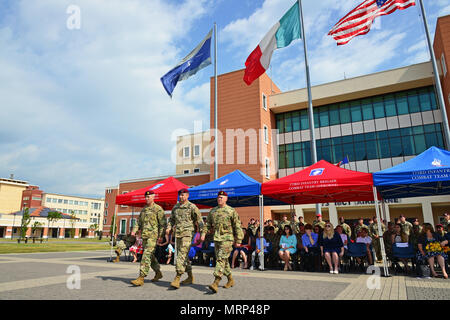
373 233
226 226
186 218
151 225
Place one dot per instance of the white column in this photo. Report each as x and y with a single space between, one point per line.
332 211
427 212
387 214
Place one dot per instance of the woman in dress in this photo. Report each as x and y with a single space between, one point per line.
331 246
288 246
430 248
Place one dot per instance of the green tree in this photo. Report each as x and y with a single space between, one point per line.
53 216
36 225
73 220
94 227
113 227
24 224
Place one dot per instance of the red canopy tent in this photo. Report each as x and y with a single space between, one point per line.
166 194
321 182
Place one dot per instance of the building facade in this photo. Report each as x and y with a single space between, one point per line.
11 194
193 153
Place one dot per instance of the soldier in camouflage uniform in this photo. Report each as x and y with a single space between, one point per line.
126 242
319 221
360 226
186 218
252 227
406 225
446 221
373 233
345 227
387 238
284 222
151 226
225 223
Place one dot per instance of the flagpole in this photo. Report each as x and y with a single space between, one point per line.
215 104
310 105
436 78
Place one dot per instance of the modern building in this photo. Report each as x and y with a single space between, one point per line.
377 120
193 153
11 194
88 210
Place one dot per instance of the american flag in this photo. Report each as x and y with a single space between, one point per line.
359 20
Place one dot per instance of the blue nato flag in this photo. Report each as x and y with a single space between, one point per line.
198 59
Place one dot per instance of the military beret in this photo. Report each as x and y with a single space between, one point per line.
149 192
184 190
439 226
222 193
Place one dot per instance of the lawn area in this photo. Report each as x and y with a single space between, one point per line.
53 245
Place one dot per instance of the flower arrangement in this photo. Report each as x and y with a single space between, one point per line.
434 247
446 249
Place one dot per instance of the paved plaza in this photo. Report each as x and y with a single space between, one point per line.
45 276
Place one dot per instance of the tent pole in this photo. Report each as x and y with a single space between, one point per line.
380 232
261 231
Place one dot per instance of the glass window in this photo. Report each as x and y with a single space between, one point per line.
296 121
425 101
378 107
402 103
383 148
408 145
75 203
66 201
60 200
282 157
334 115
298 157
429 128
54 200
344 112
417 130
389 105
355 109
287 122
348 151
323 117
316 117
306 146
304 121
367 110
431 139
413 102
394 133
70 201
433 100
360 151
280 123
420 144
371 149
49 199
396 147
196 150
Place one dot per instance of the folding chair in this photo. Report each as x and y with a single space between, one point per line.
356 250
403 253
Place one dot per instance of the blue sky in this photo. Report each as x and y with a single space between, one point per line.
82 109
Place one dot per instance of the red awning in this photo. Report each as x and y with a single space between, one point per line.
166 194
322 182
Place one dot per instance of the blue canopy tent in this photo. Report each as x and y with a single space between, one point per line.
428 174
242 191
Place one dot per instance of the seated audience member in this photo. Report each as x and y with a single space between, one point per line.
399 236
387 239
288 246
170 249
344 237
416 222
310 241
317 229
270 237
136 248
258 252
196 246
331 247
430 247
440 230
243 249
364 238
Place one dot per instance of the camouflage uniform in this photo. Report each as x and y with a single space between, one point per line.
227 229
358 229
373 231
127 242
445 224
282 224
253 229
185 218
387 239
152 224
320 223
407 227
347 230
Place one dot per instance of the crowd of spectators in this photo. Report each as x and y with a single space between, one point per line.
319 246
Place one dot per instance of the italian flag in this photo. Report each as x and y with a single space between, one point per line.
279 36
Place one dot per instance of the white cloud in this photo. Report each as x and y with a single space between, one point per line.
91 99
